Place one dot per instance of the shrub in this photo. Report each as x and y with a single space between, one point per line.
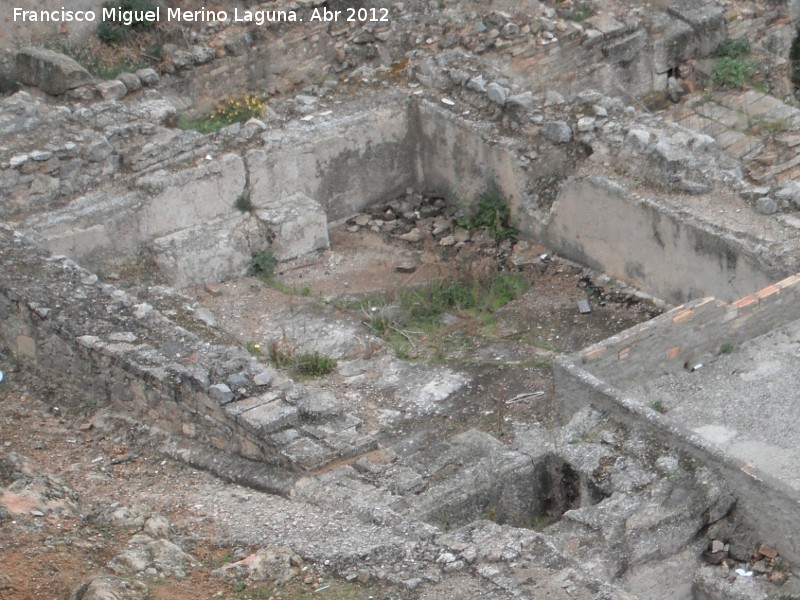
732 72
263 264
493 213
113 32
583 11
313 364
244 203
734 47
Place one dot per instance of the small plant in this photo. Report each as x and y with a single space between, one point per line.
726 348
492 212
734 47
313 364
659 407
239 587
233 110
244 203
583 11
253 348
539 522
263 264
306 365
732 73
116 32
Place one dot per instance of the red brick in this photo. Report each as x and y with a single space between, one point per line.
768 291
673 352
746 301
596 353
682 316
789 282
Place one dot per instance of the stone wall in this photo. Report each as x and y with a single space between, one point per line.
58 317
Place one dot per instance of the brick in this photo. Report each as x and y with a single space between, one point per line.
684 315
596 353
747 301
673 352
789 282
768 291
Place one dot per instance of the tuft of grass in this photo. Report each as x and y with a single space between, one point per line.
540 522
419 326
253 348
726 348
313 364
734 48
228 112
263 264
659 407
583 11
301 366
732 73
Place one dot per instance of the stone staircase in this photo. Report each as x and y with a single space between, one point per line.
751 126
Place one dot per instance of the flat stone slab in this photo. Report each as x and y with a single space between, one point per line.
270 416
308 454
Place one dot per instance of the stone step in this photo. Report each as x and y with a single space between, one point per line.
779 171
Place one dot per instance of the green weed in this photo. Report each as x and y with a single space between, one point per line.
302 366
734 47
419 326
244 203
659 407
113 32
492 212
263 264
539 522
726 348
253 348
583 11
313 364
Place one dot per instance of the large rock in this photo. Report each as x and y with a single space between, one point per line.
111 588
50 71
299 224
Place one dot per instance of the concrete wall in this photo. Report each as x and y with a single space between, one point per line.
346 164
596 222
455 160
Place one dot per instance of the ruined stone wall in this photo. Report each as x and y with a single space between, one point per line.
59 318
